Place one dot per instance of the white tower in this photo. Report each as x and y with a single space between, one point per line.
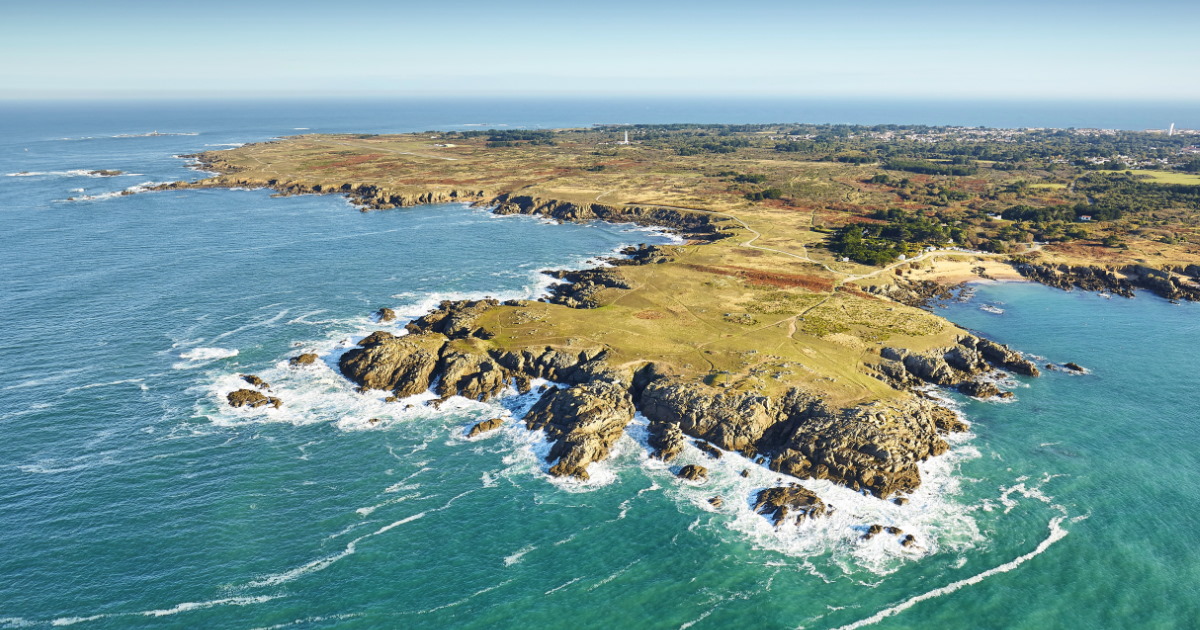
1171 131
627 133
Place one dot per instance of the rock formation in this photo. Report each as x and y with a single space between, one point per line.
252 398
485 426
693 472
780 504
307 358
583 421
384 315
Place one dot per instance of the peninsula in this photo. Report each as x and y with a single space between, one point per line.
788 326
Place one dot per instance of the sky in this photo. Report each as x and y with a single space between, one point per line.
965 49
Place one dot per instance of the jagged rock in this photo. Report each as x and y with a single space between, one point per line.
1074 367
471 375
873 447
873 531
780 503
900 501
950 366
666 439
733 421
745 472
252 398
256 381
582 288
385 315
895 531
1002 356
979 389
583 421
946 421
716 501
709 449
909 541
404 365
485 426
693 472
307 358
454 319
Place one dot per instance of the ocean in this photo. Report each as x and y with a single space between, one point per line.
131 496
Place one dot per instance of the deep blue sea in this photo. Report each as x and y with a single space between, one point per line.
132 497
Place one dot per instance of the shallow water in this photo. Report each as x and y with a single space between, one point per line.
132 497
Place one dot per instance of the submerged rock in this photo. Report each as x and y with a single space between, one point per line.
308 358
781 503
255 381
693 472
252 398
1074 367
583 421
979 389
485 426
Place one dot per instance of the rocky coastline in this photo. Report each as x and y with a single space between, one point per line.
1173 282
872 447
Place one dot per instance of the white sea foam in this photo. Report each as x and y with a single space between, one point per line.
367 511
77 172
174 610
932 515
142 187
1057 533
198 357
464 600
562 586
516 556
614 576
321 564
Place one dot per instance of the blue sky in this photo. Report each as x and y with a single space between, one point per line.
798 48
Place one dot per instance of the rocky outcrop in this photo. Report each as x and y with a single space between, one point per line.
581 289
583 422
403 365
1176 283
958 365
255 381
873 447
696 225
308 358
365 196
252 398
666 440
793 503
979 389
693 472
384 315
485 426
454 319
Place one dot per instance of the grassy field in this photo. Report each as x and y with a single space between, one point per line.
765 309
1171 177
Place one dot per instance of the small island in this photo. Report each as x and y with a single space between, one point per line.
788 326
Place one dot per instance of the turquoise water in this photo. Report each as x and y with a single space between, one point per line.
130 496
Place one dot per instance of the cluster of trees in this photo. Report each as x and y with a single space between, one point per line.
769 193
926 167
715 145
883 243
1115 194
